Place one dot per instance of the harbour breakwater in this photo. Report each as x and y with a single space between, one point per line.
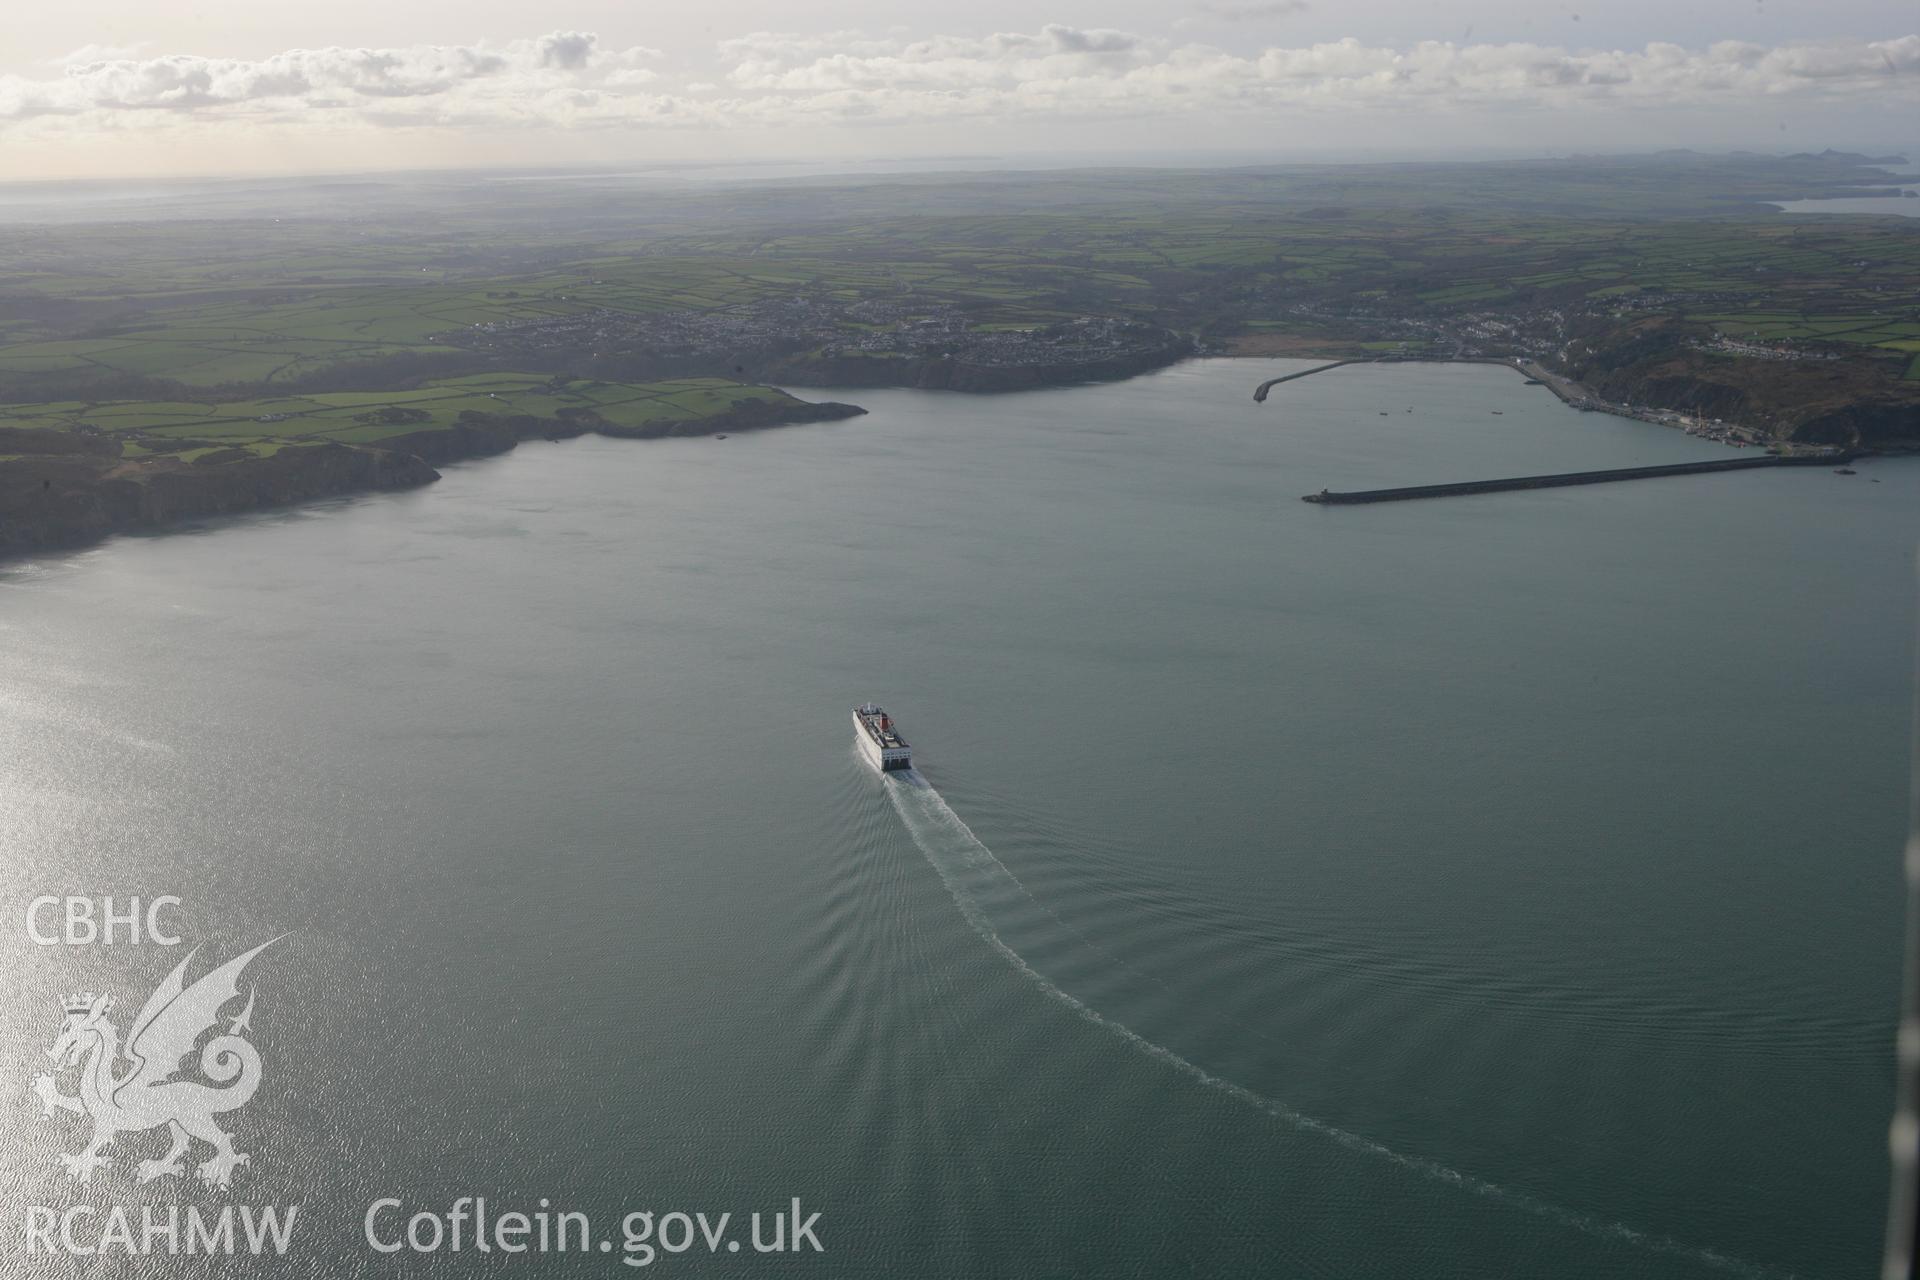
1260 392
1536 376
1566 390
1763 404
1461 488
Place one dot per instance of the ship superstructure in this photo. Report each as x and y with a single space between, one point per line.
879 741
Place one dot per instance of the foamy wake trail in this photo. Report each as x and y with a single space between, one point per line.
969 870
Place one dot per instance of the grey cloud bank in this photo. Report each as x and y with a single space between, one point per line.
568 80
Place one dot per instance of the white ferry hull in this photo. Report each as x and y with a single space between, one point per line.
886 758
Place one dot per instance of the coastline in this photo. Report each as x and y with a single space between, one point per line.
78 491
81 495
1744 404
63 490
1577 395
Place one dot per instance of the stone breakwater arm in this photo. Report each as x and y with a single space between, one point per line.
1260 392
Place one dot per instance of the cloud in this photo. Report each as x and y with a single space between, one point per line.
514 83
1056 54
1253 10
568 80
1075 40
1073 72
87 53
568 50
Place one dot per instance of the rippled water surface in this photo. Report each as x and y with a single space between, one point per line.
1489 886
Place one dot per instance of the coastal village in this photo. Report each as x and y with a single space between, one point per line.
828 327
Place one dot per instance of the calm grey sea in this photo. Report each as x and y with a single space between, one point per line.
1490 886
1899 206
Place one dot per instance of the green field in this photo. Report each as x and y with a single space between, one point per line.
1893 331
250 325
198 323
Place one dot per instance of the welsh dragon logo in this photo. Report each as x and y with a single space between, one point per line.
147 1094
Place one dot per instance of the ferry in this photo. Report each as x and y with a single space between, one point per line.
880 742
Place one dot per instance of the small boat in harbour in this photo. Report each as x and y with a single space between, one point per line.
880 743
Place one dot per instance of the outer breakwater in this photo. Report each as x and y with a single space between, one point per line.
1461 488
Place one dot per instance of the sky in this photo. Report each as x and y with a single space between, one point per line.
130 88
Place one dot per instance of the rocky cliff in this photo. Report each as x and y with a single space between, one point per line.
1857 399
71 499
65 489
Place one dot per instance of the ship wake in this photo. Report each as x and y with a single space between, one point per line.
974 876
